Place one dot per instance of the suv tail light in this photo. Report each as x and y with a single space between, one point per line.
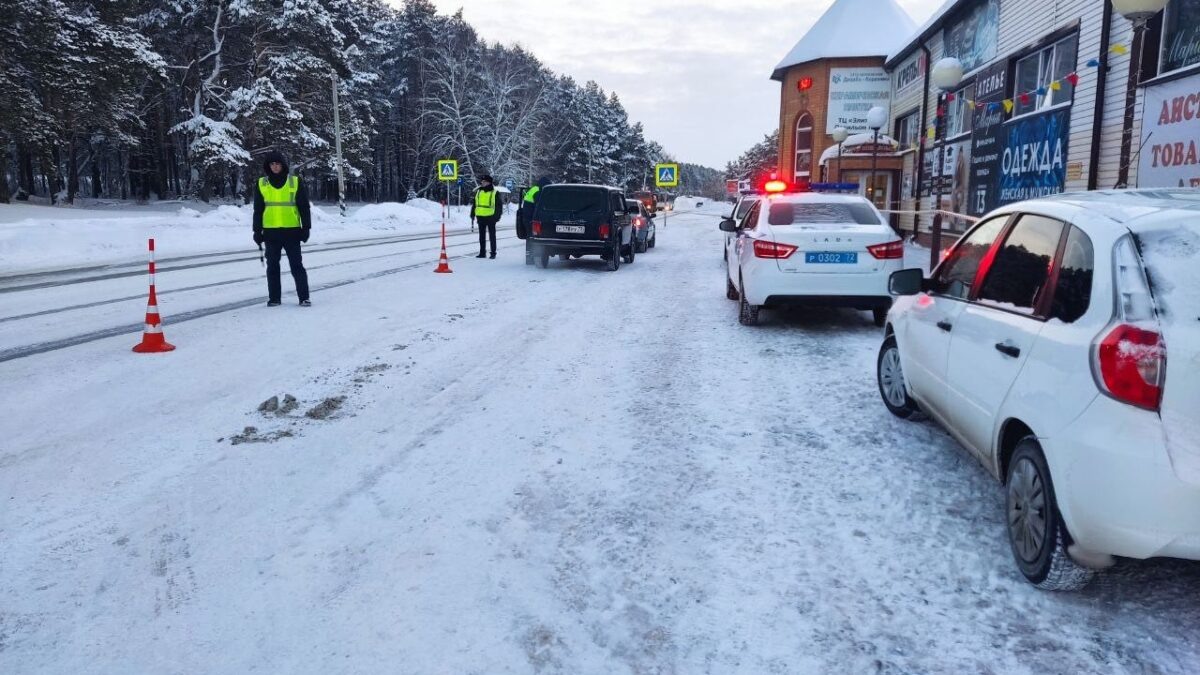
893 250
1131 363
605 230
770 249
1129 358
537 228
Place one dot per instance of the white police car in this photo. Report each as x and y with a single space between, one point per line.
810 247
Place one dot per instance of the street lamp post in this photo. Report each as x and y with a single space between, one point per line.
1138 12
876 118
946 75
840 135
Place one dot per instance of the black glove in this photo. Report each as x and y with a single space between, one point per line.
258 237
304 234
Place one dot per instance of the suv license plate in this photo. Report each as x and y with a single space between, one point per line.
568 229
834 258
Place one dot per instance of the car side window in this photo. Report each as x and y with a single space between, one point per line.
1021 270
750 222
956 275
618 201
1073 294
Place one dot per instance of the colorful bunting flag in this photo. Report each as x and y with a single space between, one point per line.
1024 99
1073 78
1041 91
931 133
1119 49
1008 105
1056 85
950 97
1093 63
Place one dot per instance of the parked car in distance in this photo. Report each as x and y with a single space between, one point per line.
810 248
741 206
645 234
649 199
1059 342
578 220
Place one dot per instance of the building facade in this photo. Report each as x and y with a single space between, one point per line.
1045 105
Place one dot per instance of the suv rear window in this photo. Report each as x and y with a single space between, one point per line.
574 200
837 213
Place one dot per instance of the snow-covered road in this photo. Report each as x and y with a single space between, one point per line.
517 470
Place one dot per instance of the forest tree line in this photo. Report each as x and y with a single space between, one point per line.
165 99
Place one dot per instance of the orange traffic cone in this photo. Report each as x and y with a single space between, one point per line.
443 262
152 337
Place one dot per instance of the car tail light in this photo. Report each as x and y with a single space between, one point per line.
605 230
537 228
893 250
1129 358
1131 363
770 249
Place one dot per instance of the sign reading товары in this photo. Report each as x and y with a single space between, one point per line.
852 92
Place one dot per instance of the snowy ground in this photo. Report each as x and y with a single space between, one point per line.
36 237
509 470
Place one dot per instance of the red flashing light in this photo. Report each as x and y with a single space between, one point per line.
770 249
775 187
804 84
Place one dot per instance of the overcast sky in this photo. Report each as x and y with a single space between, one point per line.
696 73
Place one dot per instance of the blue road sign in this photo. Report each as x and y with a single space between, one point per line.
666 175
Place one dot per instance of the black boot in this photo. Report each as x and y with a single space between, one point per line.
481 255
493 256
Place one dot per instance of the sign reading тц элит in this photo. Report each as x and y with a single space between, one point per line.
852 92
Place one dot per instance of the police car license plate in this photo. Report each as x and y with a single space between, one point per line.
569 229
831 257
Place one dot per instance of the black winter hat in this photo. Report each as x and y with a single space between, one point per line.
486 178
274 156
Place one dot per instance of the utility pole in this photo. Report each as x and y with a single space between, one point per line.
337 144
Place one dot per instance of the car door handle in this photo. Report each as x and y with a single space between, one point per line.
945 325
1008 349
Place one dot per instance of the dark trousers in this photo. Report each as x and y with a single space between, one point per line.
277 242
487 227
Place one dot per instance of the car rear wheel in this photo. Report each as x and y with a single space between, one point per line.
643 245
747 313
632 248
890 377
653 240
614 258
1036 532
564 256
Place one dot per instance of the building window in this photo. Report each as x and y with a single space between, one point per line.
1181 35
1038 71
959 111
804 146
908 130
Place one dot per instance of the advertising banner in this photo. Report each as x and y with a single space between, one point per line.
1171 135
852 92
1033 156
974 34
987 140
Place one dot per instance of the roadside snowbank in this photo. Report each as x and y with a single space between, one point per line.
34 237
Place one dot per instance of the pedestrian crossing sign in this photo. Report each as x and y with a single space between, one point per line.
448 170
666 175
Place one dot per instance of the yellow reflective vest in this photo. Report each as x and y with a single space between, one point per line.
531 194
485 203
279 204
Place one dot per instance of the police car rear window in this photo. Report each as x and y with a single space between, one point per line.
574 200
806 213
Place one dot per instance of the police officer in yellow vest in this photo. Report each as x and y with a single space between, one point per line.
486 208
525 215
282 220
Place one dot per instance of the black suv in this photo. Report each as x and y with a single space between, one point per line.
579 220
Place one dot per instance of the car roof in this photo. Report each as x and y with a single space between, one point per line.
817 198
585 185
1135 209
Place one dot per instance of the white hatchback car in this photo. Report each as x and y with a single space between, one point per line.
1059 342
810 248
